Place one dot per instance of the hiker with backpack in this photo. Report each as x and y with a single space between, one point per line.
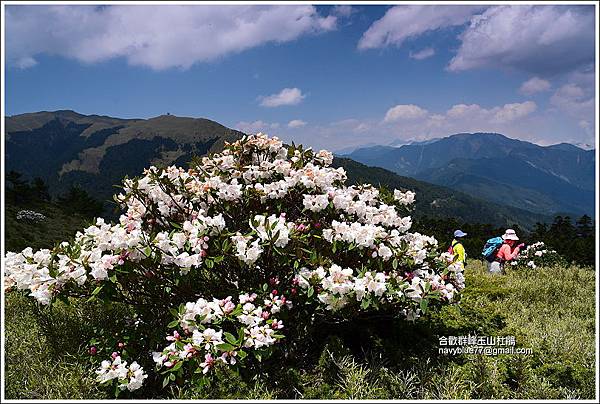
457 249
499 250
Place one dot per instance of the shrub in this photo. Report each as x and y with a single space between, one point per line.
537 255
30 216
251 245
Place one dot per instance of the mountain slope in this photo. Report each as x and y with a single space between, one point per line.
496 168
438 201
96 152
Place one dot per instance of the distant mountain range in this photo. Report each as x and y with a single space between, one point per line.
394 143
547 180
95 152
442 202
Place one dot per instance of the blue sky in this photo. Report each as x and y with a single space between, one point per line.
331 77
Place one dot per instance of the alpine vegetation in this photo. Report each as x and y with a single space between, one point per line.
538 255
239 256
30 216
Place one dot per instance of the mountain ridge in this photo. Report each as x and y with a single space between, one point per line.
562 167
95 152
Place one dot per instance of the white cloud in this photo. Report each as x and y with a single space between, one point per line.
576 103
541 39
296 123
256 126
510 112
403 112
159 37
287 96
361 128
476 113
534 85
422 54
404 22
342 11
26 62
463 110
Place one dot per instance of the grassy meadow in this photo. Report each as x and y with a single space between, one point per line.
550 310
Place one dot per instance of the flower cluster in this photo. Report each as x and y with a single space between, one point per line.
536 255
254 213
128 377
204 340
30 216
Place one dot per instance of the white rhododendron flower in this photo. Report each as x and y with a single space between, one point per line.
536 255
405 198
129 377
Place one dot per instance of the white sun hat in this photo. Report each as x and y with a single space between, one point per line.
510 234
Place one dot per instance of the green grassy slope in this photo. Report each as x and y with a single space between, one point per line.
550 310
58 226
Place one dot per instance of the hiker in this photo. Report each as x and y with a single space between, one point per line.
457 249
506 251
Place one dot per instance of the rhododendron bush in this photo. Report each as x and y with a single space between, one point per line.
225 260
537 255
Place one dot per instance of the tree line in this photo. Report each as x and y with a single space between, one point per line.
22 192
573 239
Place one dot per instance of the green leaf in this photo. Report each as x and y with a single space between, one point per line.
226 347
97 290
364 304
424 304
172 376
165 382
173 324
395 263
113 278
242 354
230 338
311 291
177 366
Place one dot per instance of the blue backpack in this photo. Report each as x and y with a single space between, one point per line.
490 248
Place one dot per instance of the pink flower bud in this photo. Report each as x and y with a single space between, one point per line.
93 350
228 308
265 315
114 355
274 292
203 253
121 345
